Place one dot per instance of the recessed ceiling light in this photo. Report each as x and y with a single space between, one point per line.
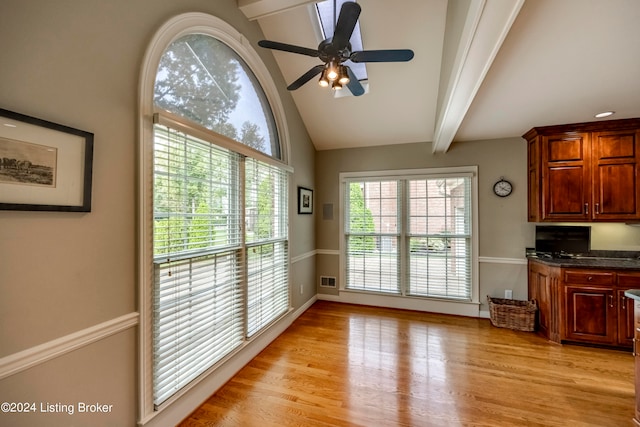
604 114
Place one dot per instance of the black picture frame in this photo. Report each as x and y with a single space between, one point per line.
44 166
305 200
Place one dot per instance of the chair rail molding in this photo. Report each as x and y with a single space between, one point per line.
498 260
25 359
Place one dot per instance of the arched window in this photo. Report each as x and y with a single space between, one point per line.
214 203
203 80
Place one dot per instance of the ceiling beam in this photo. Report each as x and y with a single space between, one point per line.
482 28
256 9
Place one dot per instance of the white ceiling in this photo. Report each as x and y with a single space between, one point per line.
483 69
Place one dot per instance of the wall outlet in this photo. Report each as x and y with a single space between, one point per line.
508 294
301 289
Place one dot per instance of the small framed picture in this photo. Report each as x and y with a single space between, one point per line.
44 166
305 200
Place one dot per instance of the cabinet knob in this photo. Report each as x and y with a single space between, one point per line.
590 278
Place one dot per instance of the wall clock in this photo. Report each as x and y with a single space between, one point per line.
502 188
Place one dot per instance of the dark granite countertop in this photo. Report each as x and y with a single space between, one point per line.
633 294
620 260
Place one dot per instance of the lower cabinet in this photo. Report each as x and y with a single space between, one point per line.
543 287
636 357
584 305
590 315
627 323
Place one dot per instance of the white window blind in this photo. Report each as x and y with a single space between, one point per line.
372 233
199 318
198 297
196 195
439 237
410 235
266 196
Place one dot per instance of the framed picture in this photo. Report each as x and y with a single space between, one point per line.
305 200
44 166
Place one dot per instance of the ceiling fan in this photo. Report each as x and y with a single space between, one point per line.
335 50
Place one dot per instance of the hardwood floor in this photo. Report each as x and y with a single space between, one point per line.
346 365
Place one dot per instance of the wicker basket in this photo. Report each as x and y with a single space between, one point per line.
513 314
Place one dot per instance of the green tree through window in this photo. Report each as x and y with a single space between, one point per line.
203 80
360 221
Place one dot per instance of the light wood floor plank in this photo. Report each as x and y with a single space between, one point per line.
347 365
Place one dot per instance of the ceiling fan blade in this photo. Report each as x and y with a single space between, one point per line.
347 20
354 85
306 77
391 55
288 48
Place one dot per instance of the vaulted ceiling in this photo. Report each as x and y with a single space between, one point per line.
483 69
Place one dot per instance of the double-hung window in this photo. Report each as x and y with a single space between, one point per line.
198 292
410 234
215 189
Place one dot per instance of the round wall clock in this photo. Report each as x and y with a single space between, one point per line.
502 188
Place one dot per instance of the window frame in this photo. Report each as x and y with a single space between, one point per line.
172 30
409 174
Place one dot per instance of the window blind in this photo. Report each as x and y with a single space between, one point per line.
439 237
199 318
372 232
196 204
266 207
198 297
410 235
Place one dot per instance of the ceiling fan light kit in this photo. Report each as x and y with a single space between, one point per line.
335 50
343 76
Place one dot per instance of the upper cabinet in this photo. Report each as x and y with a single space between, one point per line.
584 172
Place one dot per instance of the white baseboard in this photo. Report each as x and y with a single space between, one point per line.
468 309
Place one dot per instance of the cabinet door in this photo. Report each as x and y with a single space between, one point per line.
616 191
590 314
626 321
533 181
566 177
636 357
540 290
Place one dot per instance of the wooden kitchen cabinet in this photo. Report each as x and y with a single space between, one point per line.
584 172
626 328
583 305
590 315
543 287
636 357
590 310
626 316
565 187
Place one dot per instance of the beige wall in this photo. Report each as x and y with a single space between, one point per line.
77 63
504 232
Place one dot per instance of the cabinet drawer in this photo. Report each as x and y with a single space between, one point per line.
590 278
630 280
